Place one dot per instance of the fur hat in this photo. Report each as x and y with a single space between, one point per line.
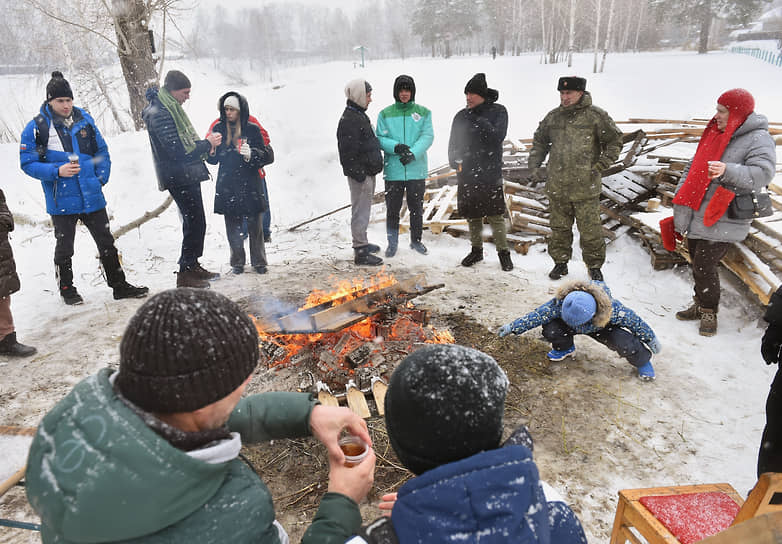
572 83
58 87
423 426
740 104
231 101
176 80
185 349
578 308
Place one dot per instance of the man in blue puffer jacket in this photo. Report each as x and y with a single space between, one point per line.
64 149
405 133
467 488
588 308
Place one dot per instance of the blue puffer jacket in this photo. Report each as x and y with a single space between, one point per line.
409 124
609 312
493 497
82 193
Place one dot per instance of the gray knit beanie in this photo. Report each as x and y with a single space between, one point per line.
185 349
176 80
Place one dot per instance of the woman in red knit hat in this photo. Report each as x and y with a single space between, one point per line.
736 156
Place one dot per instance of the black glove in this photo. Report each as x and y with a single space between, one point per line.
407 157
401 149
771 344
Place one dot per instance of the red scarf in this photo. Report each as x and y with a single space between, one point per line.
710 148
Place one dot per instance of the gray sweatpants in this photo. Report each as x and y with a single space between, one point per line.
361 193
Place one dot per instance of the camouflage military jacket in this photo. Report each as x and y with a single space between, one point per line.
581 141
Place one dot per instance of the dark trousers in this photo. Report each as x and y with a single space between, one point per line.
395 192
617 339
706 256
770 454
234 226
98 225
191 208
267 215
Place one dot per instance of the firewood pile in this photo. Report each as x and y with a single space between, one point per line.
637 192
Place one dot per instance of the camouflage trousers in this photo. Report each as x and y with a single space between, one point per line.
586 214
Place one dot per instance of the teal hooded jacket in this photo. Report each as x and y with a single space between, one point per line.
405 123
97 473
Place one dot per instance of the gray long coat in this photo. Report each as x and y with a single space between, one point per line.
9 281
751 162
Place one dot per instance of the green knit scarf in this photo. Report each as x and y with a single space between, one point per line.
186 132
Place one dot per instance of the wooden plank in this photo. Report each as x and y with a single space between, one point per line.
15 430
327 399
379 393
12 481
356 401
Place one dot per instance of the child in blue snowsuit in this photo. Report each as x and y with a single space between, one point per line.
588 308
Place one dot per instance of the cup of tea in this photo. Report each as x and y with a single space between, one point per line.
73 158
354 449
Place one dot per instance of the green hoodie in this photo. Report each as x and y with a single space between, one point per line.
581 141
97 473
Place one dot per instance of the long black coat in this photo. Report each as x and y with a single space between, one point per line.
9 281
476 140
359 148
239 189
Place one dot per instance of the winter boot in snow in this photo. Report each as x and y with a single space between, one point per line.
202 273
559 354
191 278
505 262
115 277
10 347
559 270
646 372
64 274
373 248
595 274
708 326
419 247
475 256
362 256
690 314
125 290
393 243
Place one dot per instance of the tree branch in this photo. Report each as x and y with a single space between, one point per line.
51 15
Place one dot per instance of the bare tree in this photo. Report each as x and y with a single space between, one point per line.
597 35
608 34
571 33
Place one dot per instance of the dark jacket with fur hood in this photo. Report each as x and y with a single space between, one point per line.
609 312
239 190
9 281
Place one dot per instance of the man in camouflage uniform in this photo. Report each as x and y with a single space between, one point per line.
581 141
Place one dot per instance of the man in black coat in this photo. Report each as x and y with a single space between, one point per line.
179 163
770 454
475 152
9 283
361 160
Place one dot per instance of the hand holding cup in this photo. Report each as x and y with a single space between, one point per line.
716 169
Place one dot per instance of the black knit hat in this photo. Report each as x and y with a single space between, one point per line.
58 87
176 80
185 349
444 403
572 83
477 85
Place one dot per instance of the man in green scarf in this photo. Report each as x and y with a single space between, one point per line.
179 163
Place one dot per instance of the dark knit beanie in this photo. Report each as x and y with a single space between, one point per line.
176 80
185 349
58 87
477 85
444 403
572 83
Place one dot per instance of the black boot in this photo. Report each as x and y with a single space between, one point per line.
64 274
115 277
559 270
419 247
475 256
190 278
373 248
364 257
595 274
393 243
10 347
505 262
126 290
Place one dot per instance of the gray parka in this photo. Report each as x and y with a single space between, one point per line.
750 160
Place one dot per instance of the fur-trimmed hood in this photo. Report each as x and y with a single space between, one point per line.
599 292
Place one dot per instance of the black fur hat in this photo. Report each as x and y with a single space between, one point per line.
572 83
58 87
444 403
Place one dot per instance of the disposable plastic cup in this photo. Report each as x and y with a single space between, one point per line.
354 449
73 158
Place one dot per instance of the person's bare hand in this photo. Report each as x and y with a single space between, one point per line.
716 169
354 482
215 138
326 423
69 169
387 503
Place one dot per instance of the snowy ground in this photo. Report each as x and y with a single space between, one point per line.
699 422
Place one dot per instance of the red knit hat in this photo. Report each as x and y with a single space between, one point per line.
740 104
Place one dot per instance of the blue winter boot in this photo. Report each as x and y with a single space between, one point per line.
646 372
559 354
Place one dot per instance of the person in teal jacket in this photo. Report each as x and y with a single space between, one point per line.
405 133
150 453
